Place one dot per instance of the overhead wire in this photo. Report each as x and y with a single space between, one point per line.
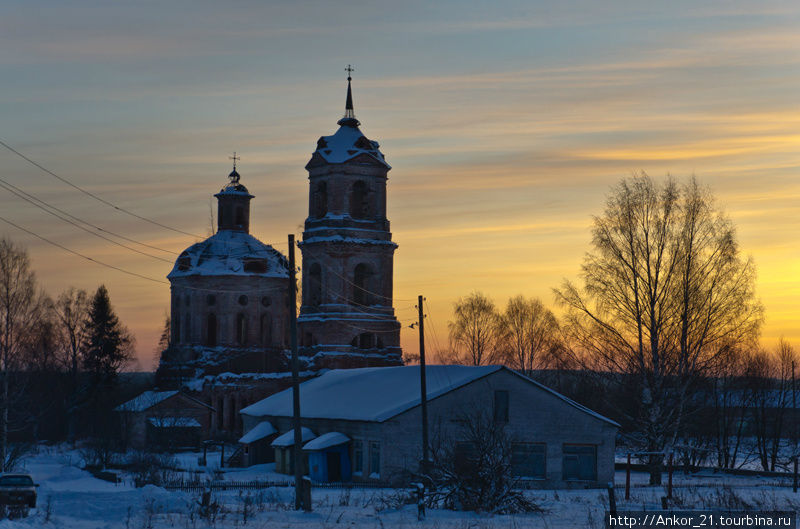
92 195
52 211
101 263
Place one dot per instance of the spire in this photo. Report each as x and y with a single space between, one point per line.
349 118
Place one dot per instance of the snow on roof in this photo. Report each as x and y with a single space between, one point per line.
174 422
347 143
226 253
146 400
326 440
260 431
340 393
287 439
376 394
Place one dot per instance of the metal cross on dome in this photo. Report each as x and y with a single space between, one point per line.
234 176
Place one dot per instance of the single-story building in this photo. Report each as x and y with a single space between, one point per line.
369 424
284 451
164 420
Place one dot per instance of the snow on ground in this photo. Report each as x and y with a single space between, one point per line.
72 498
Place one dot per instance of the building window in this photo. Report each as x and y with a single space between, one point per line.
175 327
243 300
256 266
211 330
184 262
501 405
187 300
374 459
319 205
220 414
266 329
187 329
314 285
211 299
239 217
266 301
241 329
580 462
528 460
362 276
358 456
358 200
365 340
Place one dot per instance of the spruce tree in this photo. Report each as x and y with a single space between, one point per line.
108 344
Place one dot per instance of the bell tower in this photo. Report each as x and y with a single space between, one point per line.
346 317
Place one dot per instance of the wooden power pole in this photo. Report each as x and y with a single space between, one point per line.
423 386
298 435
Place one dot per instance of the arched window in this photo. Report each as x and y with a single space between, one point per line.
362 284
211 330
358 200
314 285
239 221
241 329
319 201
266 329
176 329
366 340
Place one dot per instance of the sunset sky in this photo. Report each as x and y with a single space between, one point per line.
505 124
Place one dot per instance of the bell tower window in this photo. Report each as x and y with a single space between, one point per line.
358 200
314 285
362 279
319 202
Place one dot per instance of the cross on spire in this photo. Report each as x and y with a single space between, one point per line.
349 114
234 158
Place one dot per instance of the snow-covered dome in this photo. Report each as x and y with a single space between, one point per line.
347 143
228 253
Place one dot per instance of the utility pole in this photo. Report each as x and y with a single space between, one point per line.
298 436
423 386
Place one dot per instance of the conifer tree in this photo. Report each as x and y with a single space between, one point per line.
108 344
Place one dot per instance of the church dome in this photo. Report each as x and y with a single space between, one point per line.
230 253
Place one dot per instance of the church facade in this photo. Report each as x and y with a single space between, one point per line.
229 310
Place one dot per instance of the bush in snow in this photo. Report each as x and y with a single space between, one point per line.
151 469
473 472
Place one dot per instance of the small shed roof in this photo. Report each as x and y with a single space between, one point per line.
259 431
145 400
174 422
326 440
287 439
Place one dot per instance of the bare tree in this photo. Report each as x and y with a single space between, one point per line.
72 310
20 309
476 331
531 335
666 297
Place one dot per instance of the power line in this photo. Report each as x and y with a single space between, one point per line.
44 207
101 263
96 197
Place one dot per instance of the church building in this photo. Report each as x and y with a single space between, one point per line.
229 310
